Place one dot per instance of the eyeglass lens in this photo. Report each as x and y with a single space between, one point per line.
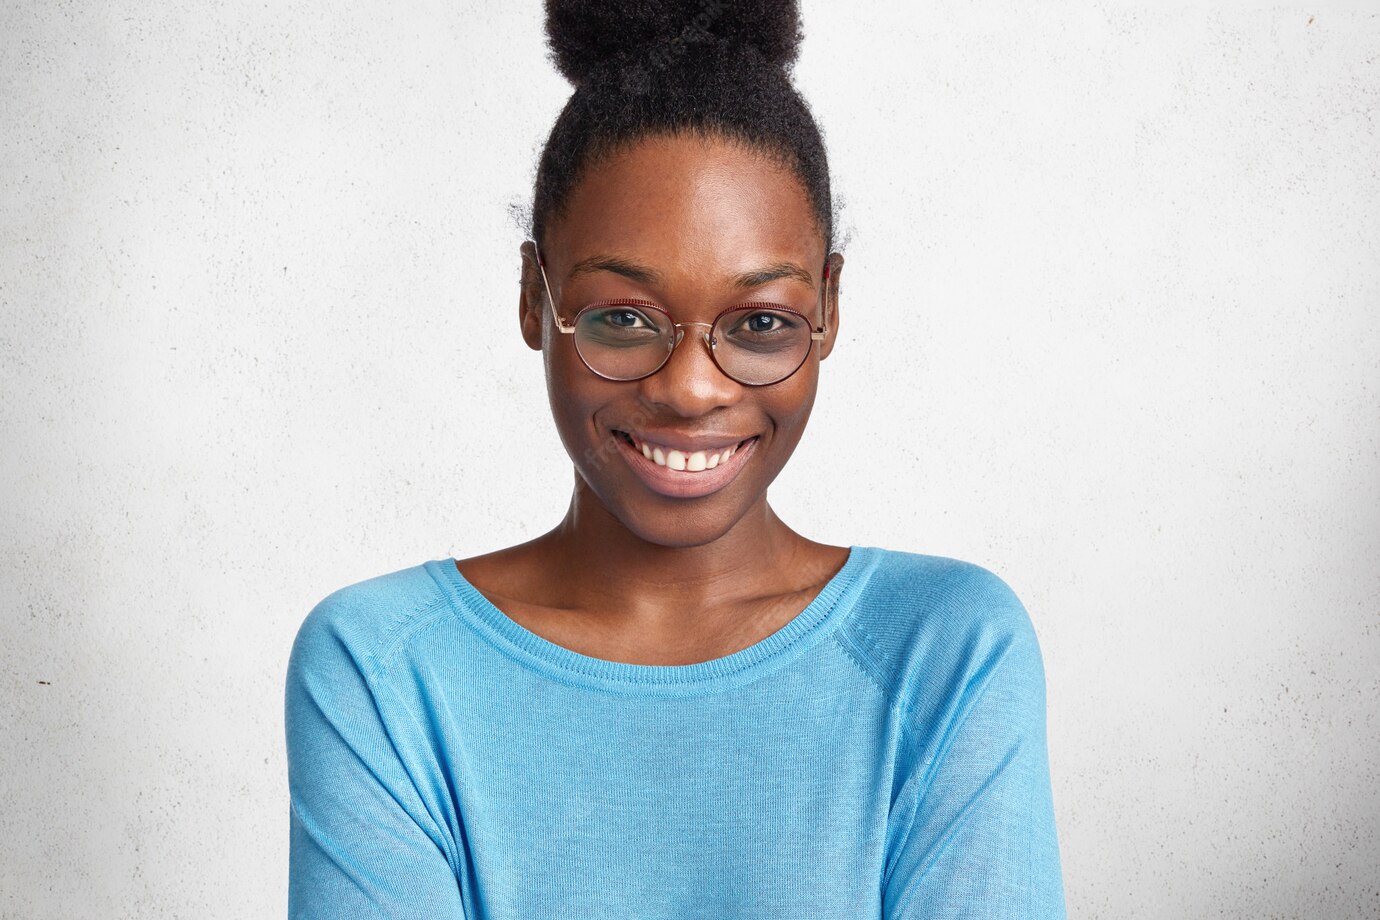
754 344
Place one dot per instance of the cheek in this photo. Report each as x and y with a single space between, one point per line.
556 355
790 407
566 375
576 396
801 390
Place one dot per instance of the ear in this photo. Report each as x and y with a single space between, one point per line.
833 268
531 297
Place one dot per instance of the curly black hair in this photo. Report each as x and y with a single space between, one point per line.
648 67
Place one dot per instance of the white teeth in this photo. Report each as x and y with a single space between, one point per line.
687 461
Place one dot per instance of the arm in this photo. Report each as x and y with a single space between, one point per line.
363 844
973 824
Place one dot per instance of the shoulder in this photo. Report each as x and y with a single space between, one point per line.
917 597
361 624
932 626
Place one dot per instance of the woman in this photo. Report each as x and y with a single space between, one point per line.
672 705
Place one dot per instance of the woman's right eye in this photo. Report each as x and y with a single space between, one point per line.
625 318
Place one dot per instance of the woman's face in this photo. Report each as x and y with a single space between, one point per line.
684 223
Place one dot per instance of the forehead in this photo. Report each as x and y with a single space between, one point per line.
690 200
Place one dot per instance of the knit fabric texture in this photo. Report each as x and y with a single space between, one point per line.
882 755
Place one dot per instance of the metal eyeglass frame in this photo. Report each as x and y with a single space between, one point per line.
816 335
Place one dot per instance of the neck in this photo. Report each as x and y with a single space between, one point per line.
600 563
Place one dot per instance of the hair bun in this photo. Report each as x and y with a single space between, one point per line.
592 37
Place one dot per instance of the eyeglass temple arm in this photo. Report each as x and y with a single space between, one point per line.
816 336
560 326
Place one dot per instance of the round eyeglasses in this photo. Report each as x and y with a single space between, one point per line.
755 343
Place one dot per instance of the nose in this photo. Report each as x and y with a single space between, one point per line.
690 383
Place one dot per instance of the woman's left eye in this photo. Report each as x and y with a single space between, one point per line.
762 322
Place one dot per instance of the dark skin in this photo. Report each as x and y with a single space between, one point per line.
631 575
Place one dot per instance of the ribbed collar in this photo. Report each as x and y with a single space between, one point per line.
562 664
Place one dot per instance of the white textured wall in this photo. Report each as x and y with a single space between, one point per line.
1111 327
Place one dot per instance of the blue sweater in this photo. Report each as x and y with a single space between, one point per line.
882 755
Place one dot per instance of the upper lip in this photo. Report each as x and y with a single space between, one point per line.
687 441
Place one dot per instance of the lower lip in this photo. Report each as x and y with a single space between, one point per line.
682 483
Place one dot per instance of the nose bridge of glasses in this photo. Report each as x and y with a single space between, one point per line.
680 333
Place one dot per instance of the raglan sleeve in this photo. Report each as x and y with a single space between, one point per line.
972 832
362 843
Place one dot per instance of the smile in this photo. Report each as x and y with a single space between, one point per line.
684 474
691 461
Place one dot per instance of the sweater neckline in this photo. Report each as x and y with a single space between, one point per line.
527 648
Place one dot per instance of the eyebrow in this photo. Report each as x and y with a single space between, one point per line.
644 275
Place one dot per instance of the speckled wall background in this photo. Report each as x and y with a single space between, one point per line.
1111 328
